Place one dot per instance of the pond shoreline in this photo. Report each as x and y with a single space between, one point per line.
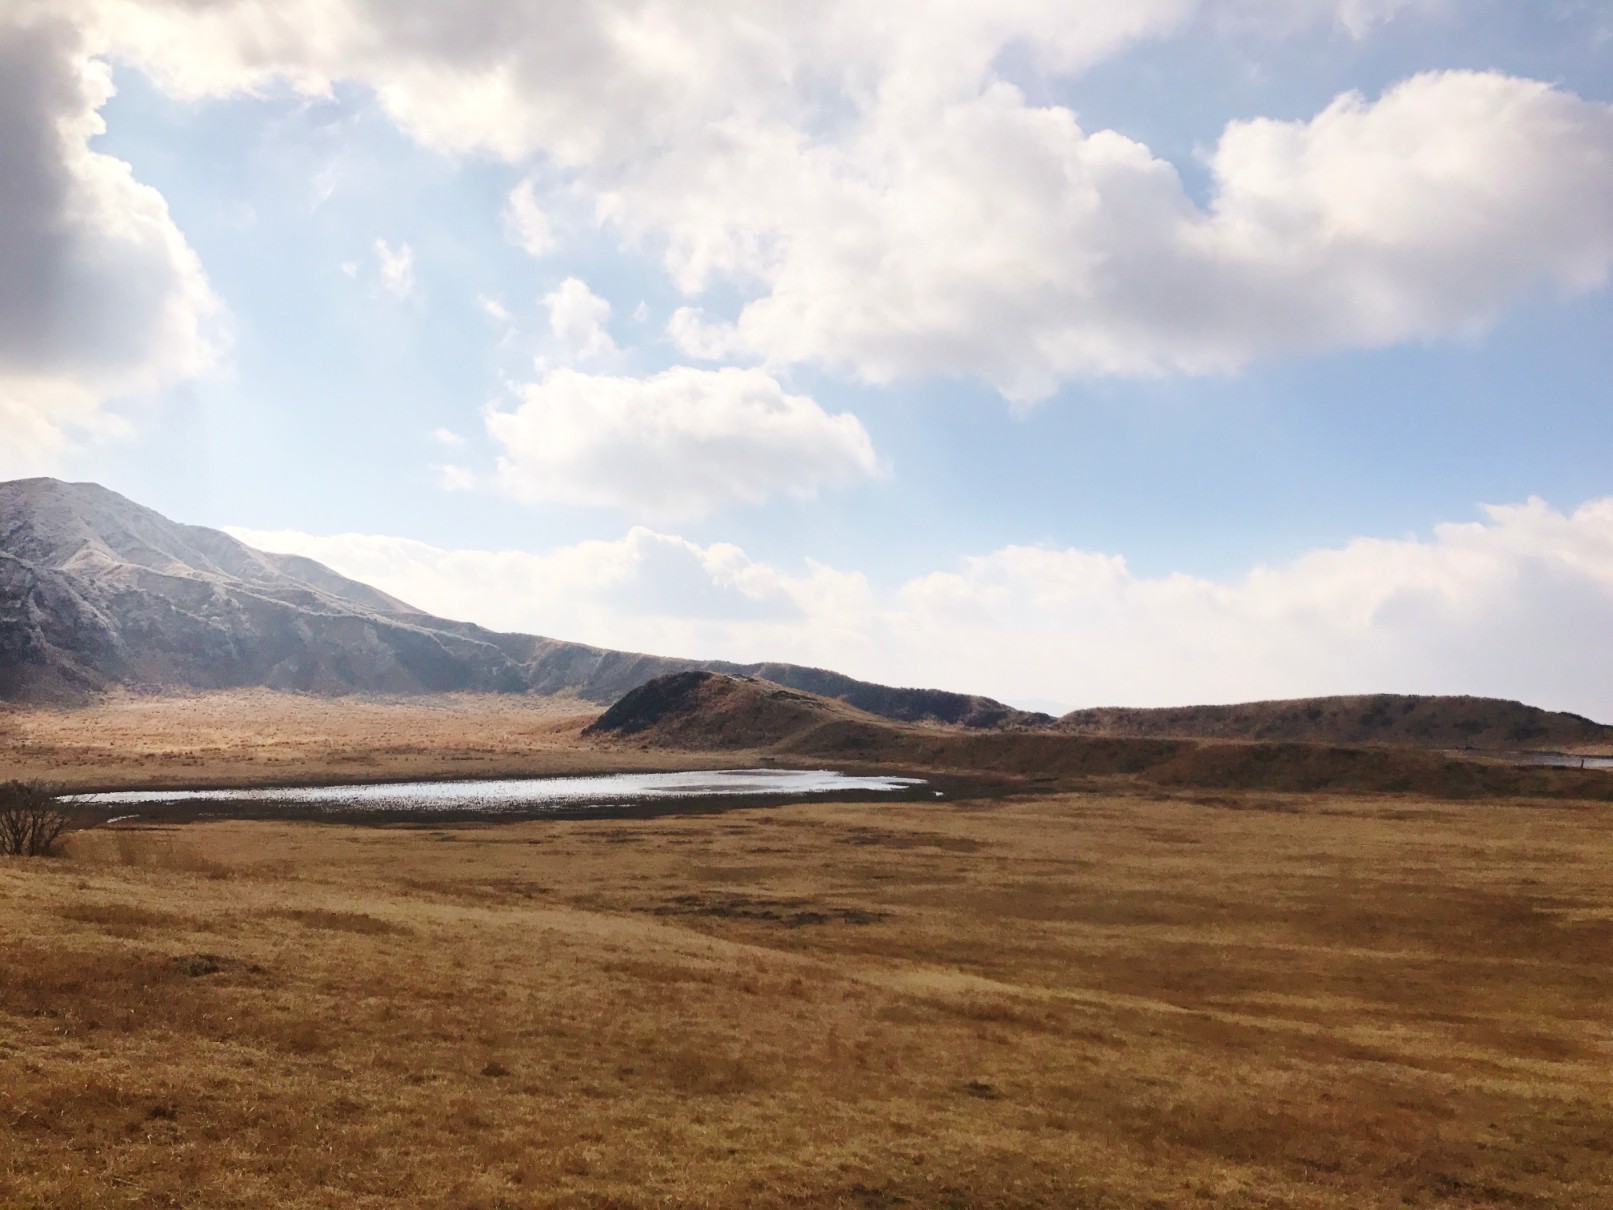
634 796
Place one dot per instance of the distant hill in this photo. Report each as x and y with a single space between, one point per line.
1381 718
699 709
97 592
702 711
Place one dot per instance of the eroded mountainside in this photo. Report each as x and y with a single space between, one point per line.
97 592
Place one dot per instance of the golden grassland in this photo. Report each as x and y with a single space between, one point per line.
1079 1000
257 736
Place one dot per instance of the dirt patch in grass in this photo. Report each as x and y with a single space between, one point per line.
791 913
123 919
865 836
361 923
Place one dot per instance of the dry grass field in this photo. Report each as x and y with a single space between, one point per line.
257 736
1101 1000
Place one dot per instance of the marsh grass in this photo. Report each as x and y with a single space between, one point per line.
1077 1001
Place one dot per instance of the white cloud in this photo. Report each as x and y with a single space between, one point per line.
1515 605
453 478
495 310
323 186
1510 606
596 591
690 331
870 179
677 445
396 266
605 79
1017 248
577 318
101 298
525 222
447 438
1358 18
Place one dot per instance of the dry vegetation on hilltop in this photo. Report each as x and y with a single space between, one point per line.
1076 1001
1378 718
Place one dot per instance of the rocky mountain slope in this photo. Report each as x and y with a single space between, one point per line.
1379 718
98 592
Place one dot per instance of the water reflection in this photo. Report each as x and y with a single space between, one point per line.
525 794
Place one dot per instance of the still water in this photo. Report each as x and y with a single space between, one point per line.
526 794
1561 760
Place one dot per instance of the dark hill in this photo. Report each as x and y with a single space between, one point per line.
699 711
1381 718
97 592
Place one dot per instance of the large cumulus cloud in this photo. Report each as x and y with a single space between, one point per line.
877 190
674 446
1001 241
100 296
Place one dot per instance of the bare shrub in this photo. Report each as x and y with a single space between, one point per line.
32 819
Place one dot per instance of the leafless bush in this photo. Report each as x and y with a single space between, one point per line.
32 819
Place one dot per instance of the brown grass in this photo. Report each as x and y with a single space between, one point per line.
1065 1001
258 736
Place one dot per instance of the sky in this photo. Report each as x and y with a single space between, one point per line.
1069 352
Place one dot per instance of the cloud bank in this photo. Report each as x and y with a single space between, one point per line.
1016 248
887 202
1514 605
868 189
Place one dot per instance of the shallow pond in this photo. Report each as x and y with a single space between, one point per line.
1561 760
525 793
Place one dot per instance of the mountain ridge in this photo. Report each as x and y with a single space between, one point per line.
99 592
702 711
1406 720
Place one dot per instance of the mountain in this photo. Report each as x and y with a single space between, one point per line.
1379 718
98 592
701 711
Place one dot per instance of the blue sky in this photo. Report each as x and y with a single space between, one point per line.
1037 354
